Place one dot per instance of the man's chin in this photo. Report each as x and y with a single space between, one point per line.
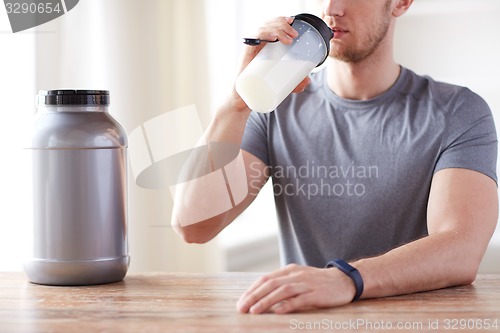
342 57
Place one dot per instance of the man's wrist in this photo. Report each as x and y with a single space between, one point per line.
352 273
236 103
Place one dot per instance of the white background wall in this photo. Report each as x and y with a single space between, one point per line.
17 86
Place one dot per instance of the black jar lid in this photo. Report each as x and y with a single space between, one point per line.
73 97
320 26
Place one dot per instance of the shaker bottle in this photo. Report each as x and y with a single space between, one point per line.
79 191
278 68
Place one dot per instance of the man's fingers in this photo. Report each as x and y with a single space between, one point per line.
278 29
263 279
260 288
266 285
281 294
300 302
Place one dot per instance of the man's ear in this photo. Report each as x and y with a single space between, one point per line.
401 7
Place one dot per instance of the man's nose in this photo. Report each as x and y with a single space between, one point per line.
334 7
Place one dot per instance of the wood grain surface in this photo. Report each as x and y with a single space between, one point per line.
175 302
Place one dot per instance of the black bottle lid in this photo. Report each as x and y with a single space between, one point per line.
73 97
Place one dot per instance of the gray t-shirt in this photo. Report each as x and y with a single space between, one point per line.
351 178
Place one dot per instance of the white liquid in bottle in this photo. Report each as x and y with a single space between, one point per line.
264 84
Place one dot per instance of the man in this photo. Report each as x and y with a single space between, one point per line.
402 167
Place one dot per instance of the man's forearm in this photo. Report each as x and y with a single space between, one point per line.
437 261
228 123
462 214
214 173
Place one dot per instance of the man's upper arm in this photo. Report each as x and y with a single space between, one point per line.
464 202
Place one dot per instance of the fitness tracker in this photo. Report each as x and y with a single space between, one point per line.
350 271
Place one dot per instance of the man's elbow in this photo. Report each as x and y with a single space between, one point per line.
468 268
193 234
192 238
469 277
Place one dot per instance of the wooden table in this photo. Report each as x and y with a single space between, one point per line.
206 303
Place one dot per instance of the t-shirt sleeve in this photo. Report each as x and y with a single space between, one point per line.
255 136
470 139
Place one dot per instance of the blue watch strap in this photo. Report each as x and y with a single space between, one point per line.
350 271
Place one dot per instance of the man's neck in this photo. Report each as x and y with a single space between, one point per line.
364 80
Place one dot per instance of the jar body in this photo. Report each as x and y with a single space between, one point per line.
80 197
278 68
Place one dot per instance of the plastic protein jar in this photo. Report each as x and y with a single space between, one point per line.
79 157
278 68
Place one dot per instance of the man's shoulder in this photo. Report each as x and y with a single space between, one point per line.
442 93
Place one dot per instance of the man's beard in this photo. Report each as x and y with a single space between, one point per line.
378 33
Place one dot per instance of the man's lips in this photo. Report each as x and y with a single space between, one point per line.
338 32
